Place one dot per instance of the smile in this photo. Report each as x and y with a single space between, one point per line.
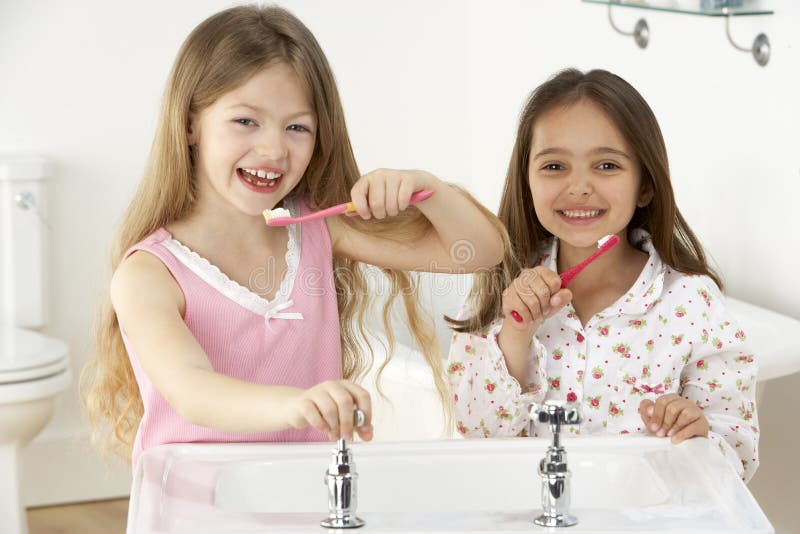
581 214
259 178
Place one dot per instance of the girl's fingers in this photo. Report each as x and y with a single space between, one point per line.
364 403
545 285
330 412
523 282
529 311
514 314
527 295
674 416
512 306
345 405
534 296
358 195
560 299
330 407
672 411
404 194
645 409
689 414
313 416
698 428
361 399
657 417
551 278
377 198
539 290
392 194
365 432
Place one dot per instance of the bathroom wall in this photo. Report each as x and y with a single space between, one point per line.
433 85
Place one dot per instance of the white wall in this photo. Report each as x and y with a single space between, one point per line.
433 85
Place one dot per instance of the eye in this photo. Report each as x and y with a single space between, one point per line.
297 128
608 166
553 167
245 122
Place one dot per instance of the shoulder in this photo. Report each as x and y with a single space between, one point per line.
690 285
142 280
696 295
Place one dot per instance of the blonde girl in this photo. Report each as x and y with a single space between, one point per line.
221 329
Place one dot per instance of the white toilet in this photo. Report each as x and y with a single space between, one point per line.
34 368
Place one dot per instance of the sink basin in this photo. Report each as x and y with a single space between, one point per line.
778 353
619 484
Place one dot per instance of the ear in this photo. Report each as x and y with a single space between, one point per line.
192 130
645 195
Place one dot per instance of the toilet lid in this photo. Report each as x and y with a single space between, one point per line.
26 355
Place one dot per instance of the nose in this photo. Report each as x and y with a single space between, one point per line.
579 186
271 144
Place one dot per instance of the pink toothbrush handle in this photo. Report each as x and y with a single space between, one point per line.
347 207
419 196
569 275
328 212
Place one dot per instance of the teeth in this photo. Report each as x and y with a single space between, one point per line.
581 214
263 174
271 177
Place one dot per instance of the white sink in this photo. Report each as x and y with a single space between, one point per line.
619 484
772 336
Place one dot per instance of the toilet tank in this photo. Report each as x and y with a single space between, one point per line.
23 237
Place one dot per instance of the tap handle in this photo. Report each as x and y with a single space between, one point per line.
556 414
358 417
358 420
341 480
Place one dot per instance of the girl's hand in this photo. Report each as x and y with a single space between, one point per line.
387 192
673 416
330 407
531 298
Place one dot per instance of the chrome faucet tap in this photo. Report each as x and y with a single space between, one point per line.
341 480
553 467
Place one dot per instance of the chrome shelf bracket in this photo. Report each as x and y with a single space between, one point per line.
640 33
760 49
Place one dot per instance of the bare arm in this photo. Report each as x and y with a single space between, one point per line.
462 238
149 306
532 297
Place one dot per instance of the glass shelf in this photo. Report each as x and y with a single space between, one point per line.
673 7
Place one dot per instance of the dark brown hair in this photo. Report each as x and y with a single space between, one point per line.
671 236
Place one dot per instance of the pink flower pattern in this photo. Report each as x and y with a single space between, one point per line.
656 339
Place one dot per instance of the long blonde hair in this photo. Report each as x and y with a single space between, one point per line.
220 54
671 236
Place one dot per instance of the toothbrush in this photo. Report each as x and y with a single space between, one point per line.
281 216
603 245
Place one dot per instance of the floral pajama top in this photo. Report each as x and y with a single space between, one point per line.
669 333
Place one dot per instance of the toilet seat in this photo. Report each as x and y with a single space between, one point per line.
26 356
35 373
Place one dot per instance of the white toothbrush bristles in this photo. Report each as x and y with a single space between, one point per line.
276 213
602 241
